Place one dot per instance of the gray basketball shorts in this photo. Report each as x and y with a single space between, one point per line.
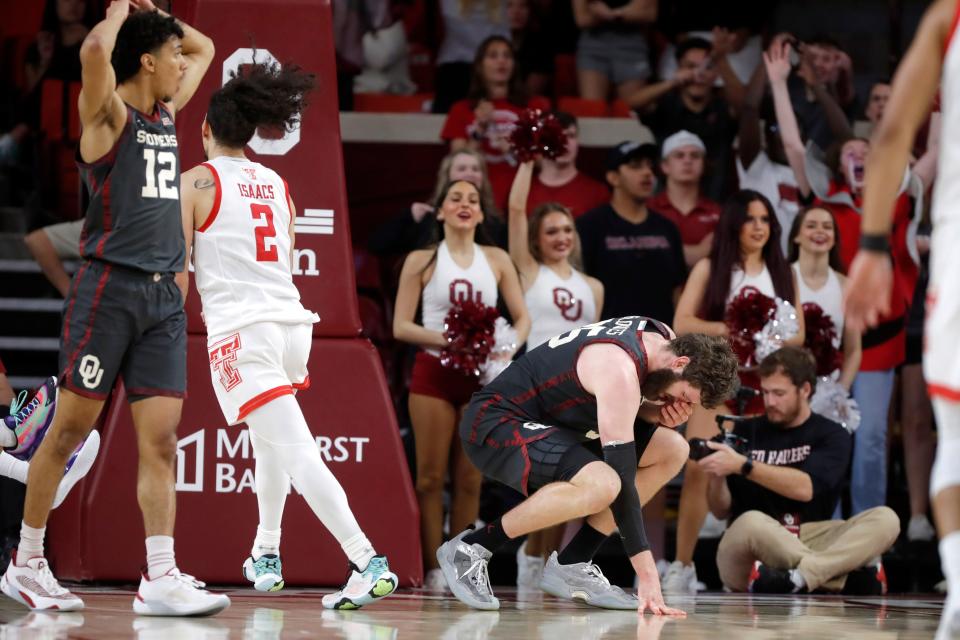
121 321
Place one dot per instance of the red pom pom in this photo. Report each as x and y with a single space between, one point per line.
820 337
535 134
747 313
468 328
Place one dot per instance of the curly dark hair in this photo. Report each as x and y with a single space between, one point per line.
712 368
143 32
262 94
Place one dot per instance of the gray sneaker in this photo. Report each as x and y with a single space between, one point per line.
584 582
465 568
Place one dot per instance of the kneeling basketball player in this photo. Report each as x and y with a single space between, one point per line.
583 425
239 218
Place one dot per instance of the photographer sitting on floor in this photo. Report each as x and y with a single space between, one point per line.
781 494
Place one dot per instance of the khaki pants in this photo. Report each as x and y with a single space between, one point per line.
824 553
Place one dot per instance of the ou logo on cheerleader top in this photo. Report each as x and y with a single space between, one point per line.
571 307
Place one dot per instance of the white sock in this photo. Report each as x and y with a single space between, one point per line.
13 468
31 544
265 542
950 559
282 436
160 557
798 582
359 551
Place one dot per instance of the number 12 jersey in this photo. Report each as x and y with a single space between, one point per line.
241 253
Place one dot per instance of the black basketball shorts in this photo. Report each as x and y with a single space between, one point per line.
121 321
520 452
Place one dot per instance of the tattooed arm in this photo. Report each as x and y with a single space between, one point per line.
197 193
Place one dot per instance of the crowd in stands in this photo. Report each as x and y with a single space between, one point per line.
754 180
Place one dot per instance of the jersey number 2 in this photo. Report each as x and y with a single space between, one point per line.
266 233
161 178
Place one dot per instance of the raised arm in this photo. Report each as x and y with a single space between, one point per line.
99 103
733 89
777 62
914 87
648 94
751 137
518 224
198 51
836 118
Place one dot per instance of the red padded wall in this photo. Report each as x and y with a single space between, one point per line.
97 534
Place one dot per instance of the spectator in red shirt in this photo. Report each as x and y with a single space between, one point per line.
484 120
559 180
695 215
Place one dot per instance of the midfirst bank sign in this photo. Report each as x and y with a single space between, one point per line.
233 446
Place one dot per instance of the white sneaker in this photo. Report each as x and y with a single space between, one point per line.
529 569
949 627
920 530
712 527
680 580
78 466
177 594
363 587
34 586
434 581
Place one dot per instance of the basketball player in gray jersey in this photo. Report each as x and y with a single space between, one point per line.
583 426
124 314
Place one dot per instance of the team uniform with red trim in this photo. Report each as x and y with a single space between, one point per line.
124 313
259 334
941 357
449 284
535 423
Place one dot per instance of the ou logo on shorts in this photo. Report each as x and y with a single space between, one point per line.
90 371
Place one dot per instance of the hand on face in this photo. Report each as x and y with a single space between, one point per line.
675 412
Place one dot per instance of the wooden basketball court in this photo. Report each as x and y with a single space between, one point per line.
414 614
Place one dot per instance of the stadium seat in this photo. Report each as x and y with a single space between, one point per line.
620 109
564 75
390 103
583 108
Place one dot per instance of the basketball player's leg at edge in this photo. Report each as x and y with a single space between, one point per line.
285 450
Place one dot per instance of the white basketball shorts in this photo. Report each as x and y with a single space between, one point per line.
255 364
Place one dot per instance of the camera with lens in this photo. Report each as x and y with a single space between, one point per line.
699 448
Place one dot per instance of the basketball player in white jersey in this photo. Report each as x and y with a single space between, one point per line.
559 299
932 62
239 217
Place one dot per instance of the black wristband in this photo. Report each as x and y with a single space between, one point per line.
627 512
876 242
746 468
